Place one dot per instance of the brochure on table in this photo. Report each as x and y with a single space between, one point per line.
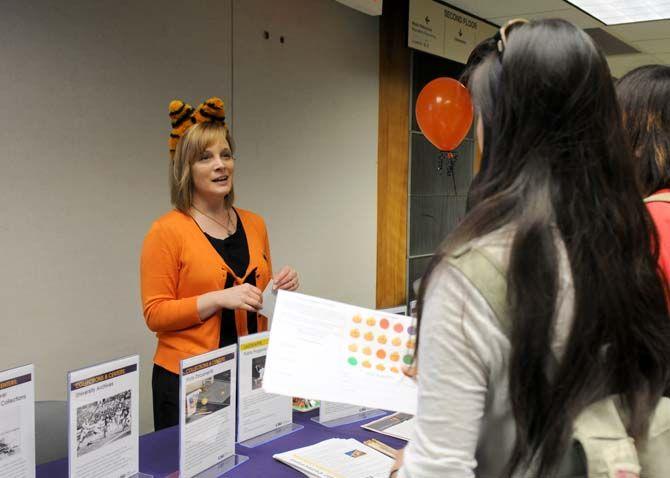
17 422
398 425
103 430
207 413
338 458
259 414
331 351
333 414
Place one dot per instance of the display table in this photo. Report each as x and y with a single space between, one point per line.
159 451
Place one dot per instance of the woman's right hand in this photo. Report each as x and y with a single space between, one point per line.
245 296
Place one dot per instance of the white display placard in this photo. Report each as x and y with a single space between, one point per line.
17 422
330 411
258 412
207 410
327 350
103 430
444 31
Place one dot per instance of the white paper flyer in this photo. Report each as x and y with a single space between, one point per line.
207 414
103 433
258 412
398 425
17 422
341 353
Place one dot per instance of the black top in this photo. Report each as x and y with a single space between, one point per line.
234 250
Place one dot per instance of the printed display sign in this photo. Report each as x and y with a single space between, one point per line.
258 412
207 413
103 404
17 422
443 31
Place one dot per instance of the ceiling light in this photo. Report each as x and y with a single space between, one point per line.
616 12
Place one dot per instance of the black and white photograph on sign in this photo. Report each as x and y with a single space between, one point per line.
10 433
257 370
102 422
207 396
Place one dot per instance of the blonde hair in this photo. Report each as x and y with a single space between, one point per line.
190 147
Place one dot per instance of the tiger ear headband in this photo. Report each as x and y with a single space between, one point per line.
183 116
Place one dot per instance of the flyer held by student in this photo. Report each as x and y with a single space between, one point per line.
332 351
207 412
103 404
17 422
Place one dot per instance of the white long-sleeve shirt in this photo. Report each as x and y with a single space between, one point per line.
464 423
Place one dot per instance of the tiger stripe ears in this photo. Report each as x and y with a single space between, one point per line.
210 110
183 116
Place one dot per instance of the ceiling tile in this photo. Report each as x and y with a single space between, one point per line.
571 14
508 8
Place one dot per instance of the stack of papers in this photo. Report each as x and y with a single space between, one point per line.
398 425
338 458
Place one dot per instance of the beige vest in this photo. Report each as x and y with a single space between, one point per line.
605 450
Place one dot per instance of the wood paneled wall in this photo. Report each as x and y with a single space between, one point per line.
393 155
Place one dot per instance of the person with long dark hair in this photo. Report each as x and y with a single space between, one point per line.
644 97
583 316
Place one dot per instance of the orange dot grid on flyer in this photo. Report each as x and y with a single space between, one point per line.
384 345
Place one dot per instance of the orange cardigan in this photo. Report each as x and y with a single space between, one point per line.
177 265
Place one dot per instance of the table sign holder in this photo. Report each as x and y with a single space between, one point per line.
207 418
17 422
261 417
336 420
271 435
91 388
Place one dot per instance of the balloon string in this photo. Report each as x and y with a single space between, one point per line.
450 157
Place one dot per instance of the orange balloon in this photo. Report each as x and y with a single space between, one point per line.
444 112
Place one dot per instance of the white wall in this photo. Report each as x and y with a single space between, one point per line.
306 116
306 129
84 90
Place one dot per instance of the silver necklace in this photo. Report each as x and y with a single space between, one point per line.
229 228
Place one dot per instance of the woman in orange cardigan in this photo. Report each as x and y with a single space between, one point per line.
205 263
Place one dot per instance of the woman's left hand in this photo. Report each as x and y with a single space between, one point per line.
286 279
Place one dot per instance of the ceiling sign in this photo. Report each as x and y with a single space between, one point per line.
371 7
444 31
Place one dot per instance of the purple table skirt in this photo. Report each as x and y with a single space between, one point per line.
159 451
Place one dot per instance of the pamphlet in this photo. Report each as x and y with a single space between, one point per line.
398 425
103 404
17 422
207 410
258 412
341 353
338 458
